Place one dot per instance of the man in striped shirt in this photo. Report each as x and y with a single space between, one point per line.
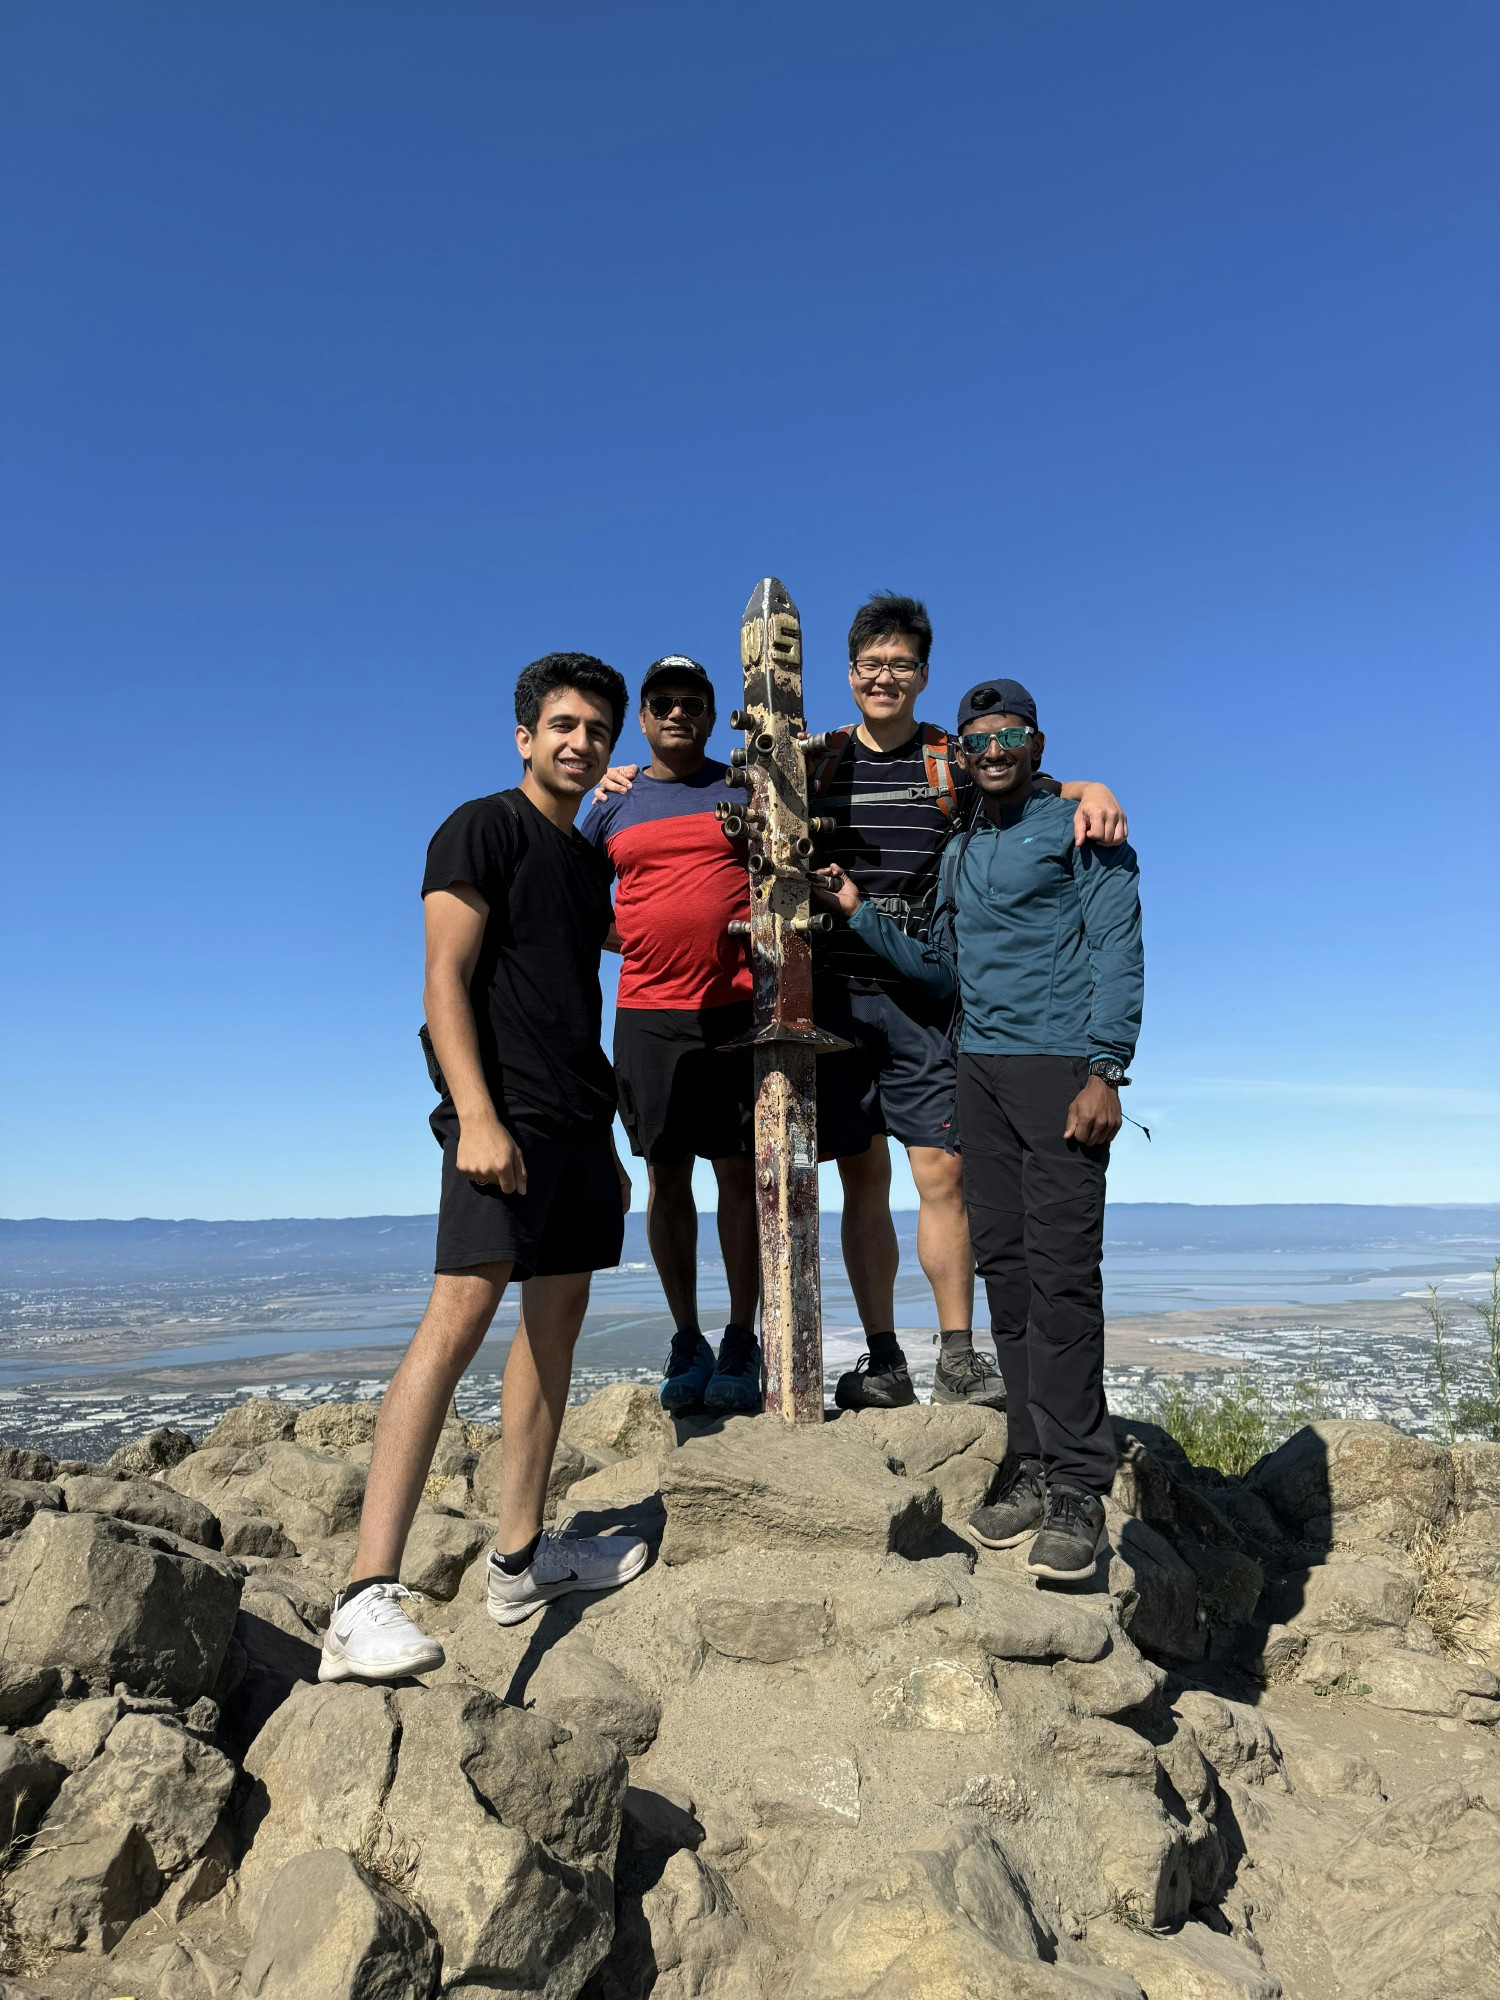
895 795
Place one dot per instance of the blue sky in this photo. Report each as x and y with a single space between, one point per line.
354 355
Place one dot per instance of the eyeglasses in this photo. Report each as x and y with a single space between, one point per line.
900 671
978 741
692 705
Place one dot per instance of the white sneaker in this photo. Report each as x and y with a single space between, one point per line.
562 1562
372 1639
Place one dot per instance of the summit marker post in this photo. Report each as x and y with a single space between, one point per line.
772 768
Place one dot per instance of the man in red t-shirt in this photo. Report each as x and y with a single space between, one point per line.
685 992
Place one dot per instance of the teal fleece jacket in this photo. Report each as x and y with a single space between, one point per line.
1046 937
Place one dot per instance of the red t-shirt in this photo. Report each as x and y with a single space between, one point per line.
680 881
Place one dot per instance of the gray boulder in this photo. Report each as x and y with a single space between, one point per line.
116 1602
319 1771
27 1689
1158 1591
146 1502
582 1689
514 1824
20 1499
337 1426
258 1420
1366 1486
17 1462
75 1734
157 1776
954 1447
952 1917
85 1892
158 1451
310 1494
625 1419
29 1782
765 1484
569 1465
331 1930
254 1535
441 1546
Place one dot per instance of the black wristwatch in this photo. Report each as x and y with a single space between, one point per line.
1109 1071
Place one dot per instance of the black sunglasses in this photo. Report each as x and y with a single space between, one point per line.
692 705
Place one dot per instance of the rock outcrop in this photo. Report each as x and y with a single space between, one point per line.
824 1748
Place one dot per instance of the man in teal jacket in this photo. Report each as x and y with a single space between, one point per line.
1041 943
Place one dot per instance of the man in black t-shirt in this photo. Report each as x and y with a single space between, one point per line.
517 907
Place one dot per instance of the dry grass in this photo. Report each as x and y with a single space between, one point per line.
384 1853
20 1952
1442 1597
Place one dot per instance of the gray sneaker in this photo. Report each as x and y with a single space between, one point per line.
1016 1507
1073 1536
562 1562
966 1377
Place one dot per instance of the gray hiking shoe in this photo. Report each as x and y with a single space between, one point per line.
872 1385
966 1377
1015 1509
1073 1535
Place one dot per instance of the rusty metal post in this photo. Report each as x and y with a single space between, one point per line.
772 768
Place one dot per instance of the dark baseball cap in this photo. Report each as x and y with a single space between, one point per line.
676 667
996 698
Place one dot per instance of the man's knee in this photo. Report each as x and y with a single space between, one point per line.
671 1181
939 1175
735 1173
867 1173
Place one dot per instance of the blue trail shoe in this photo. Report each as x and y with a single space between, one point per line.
686 1375
735 1388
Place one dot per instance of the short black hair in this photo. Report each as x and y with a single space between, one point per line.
569 670
885 615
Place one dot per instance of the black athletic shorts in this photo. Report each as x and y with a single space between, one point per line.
681 1097
571 1217
899 1077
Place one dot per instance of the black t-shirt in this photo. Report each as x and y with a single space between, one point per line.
535 990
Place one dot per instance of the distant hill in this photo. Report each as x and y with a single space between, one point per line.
387 1248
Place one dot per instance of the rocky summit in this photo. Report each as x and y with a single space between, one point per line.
824 1748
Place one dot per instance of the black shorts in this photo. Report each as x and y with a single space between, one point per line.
571 1217
899 1077
681 1097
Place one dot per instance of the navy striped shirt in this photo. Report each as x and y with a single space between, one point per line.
889 832
888 837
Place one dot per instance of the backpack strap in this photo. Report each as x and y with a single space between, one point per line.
828 763
936 748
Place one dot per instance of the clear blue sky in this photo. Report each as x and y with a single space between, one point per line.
354 355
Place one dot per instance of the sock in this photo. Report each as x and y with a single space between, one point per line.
885 1350
513 1565
958 1342
364 1583
740 1330
691 1331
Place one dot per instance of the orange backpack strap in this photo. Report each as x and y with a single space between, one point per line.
828 763
935 753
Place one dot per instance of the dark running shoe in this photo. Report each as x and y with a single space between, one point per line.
686 1375
966 1377
875 1385
734 1389
1015 1509
1072 1538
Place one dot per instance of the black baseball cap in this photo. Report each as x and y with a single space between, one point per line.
996 698
676 667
